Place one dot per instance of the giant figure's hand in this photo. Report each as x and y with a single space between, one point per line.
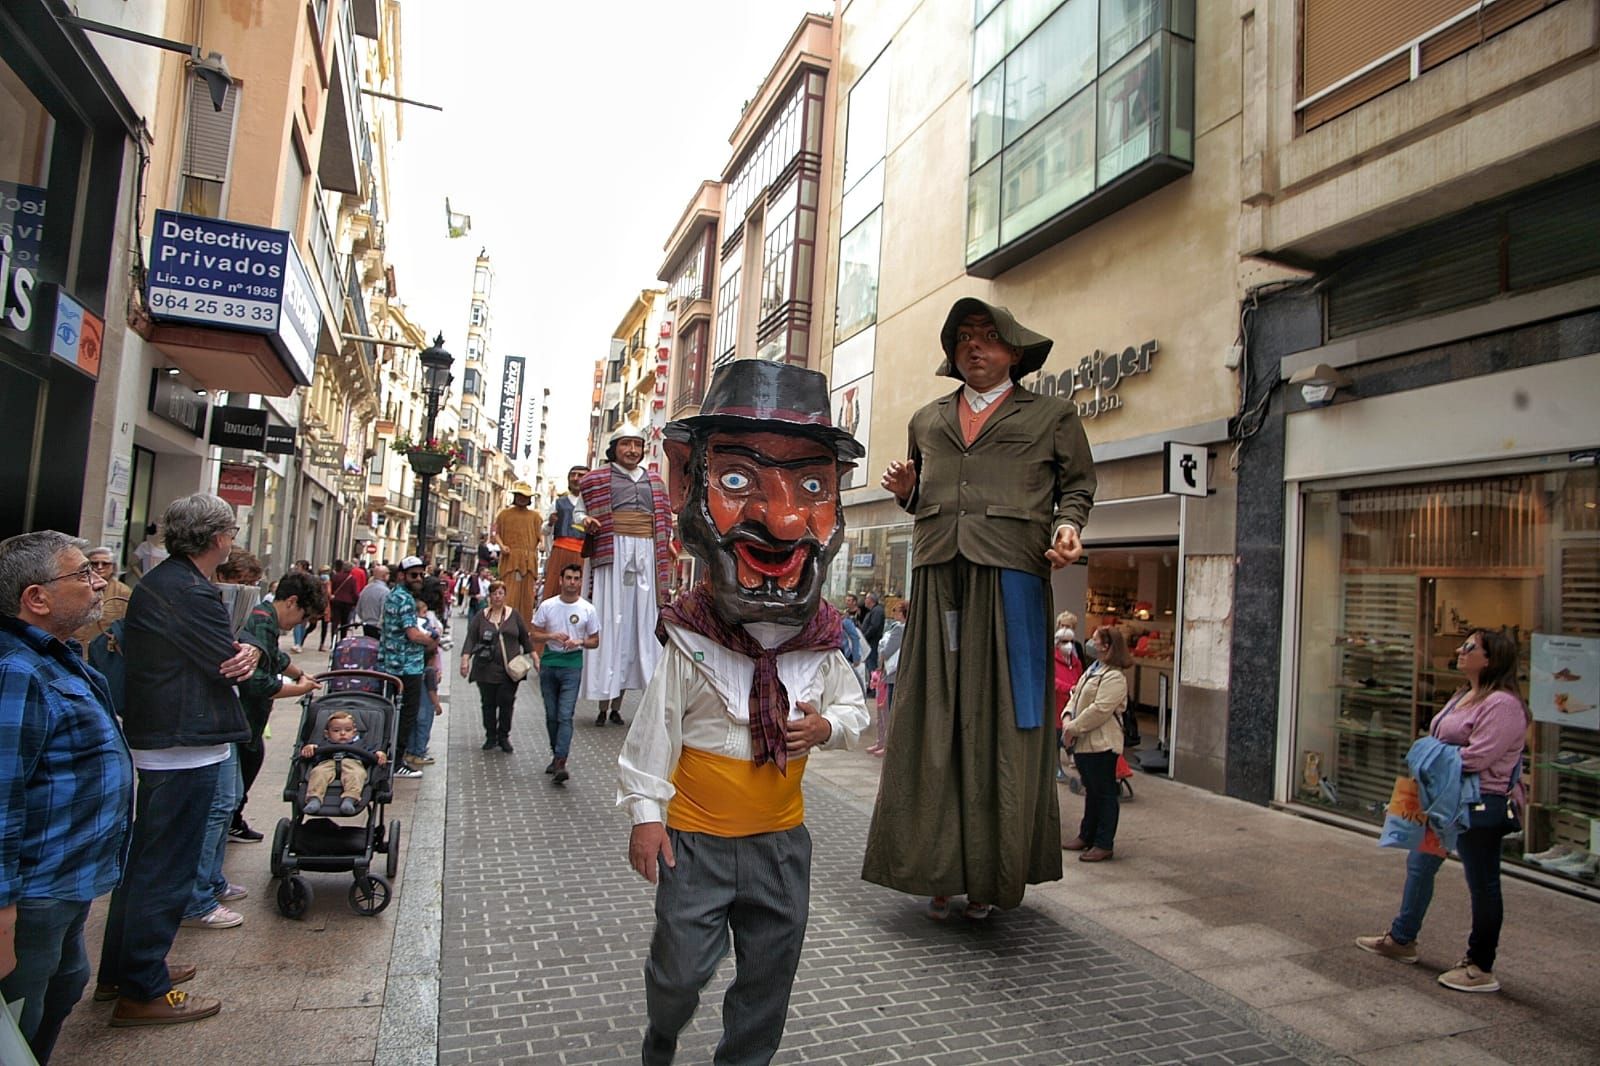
649 840
900 478
809 732
1066 549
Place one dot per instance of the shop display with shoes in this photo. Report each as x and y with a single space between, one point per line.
1408 572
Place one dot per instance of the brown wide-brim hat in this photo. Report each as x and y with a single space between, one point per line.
760 396
1034 346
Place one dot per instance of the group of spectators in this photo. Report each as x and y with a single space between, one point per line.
872 644
181 672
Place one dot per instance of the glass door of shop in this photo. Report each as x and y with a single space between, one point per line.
1135 589
1394 579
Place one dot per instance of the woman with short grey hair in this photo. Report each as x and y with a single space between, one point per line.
191 521
29 559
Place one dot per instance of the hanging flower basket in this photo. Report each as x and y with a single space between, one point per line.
428 457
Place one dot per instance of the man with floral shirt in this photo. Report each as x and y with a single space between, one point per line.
402 651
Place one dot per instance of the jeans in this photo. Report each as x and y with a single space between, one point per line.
498 702
299 634
423 733
559 687
410 704
170 812
52 968
209 882
1100 804
1479 850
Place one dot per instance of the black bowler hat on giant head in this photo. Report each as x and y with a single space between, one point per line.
759 396
1033 346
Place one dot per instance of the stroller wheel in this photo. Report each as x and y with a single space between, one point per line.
391 847
369 894
280 847
294 896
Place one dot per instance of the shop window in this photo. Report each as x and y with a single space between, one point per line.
206 150
1078 109
1394 579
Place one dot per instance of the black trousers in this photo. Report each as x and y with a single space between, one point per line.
410 704
253 752
1100 805
498 701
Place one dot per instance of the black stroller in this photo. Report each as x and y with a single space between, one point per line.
322 845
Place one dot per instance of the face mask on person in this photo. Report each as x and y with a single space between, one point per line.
1066 634
1094 651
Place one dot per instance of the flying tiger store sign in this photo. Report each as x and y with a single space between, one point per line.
1092 384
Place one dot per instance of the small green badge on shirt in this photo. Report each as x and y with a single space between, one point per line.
699 656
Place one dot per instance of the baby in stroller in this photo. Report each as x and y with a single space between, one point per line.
335 764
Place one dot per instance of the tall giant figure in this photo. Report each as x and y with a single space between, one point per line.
518 530
751 680
1000 480
629 542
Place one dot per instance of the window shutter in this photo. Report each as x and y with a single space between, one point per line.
205 155
1339 37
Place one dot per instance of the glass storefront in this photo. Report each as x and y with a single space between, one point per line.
1136 589
1394 578
872 559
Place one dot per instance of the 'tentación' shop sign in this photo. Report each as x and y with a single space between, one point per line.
1098 375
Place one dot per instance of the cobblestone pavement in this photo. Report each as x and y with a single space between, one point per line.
546 927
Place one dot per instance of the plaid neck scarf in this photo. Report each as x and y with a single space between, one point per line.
769 700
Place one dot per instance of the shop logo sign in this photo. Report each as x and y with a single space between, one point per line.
1097 377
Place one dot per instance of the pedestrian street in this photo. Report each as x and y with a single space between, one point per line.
546 928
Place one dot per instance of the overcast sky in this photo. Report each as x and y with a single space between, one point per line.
574 135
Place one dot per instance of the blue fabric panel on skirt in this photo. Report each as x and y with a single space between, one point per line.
1027 644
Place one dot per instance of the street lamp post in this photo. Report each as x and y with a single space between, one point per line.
436 379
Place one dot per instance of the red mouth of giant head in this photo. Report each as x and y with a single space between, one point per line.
757 564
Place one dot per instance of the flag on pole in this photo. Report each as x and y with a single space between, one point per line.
456 224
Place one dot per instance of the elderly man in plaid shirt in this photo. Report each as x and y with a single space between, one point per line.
66 779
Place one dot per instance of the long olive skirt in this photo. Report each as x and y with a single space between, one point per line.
967 801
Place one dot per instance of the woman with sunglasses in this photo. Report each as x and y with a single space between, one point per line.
114 599
1488 720
1092 723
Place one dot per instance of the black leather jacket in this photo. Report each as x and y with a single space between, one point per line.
177 636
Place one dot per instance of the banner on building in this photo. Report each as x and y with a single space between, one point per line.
236 483
280 439
239 427
354 484
326 453
510 406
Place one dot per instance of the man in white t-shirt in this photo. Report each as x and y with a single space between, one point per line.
567 625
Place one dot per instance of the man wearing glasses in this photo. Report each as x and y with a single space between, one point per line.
65 778
181 718
114 600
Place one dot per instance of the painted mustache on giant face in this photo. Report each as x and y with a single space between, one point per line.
768 568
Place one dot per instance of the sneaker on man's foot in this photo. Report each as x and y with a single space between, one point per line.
426 760
616 718
1389 948
219 918
407 771
600 719
232 893
1467 977
561 775
241 831
553 767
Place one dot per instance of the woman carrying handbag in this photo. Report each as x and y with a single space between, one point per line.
1092 724
488 658
1487 721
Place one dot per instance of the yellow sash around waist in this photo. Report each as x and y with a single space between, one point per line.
726 797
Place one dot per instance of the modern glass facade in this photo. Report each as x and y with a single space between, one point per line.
1068 101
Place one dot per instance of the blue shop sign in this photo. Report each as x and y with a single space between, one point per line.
213 272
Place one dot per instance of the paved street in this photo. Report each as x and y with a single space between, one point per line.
546 928
1221 933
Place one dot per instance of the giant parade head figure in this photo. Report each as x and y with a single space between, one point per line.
755 482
